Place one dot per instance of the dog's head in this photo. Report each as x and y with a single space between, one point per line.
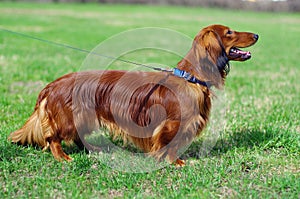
215 46
233 40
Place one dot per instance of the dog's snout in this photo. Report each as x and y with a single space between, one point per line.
255 36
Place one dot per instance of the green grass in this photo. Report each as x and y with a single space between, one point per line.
256 156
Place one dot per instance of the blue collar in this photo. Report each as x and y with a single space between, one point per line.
190 78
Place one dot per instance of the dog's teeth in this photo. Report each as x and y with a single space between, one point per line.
233 51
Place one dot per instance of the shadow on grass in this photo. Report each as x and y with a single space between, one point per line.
245 138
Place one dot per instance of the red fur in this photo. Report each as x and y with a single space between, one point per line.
156 111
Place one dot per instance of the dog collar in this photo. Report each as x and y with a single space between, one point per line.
190 78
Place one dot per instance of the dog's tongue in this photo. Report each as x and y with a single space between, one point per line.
235 52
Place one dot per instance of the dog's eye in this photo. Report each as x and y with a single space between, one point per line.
229 32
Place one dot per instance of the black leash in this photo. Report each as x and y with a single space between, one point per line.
83 50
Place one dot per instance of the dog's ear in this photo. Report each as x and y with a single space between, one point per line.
212 57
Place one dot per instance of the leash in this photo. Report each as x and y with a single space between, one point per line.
175 71
83 50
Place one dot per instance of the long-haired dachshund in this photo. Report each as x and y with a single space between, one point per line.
159 112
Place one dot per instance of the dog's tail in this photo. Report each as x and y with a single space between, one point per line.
36 130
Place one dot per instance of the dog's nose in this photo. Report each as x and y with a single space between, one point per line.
255 36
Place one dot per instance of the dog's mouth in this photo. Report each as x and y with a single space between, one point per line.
238 55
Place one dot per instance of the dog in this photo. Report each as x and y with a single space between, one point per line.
158 112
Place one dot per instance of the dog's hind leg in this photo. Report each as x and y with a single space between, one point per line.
57 151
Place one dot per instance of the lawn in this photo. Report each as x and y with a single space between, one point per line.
257 152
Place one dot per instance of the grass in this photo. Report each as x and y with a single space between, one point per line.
256 156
